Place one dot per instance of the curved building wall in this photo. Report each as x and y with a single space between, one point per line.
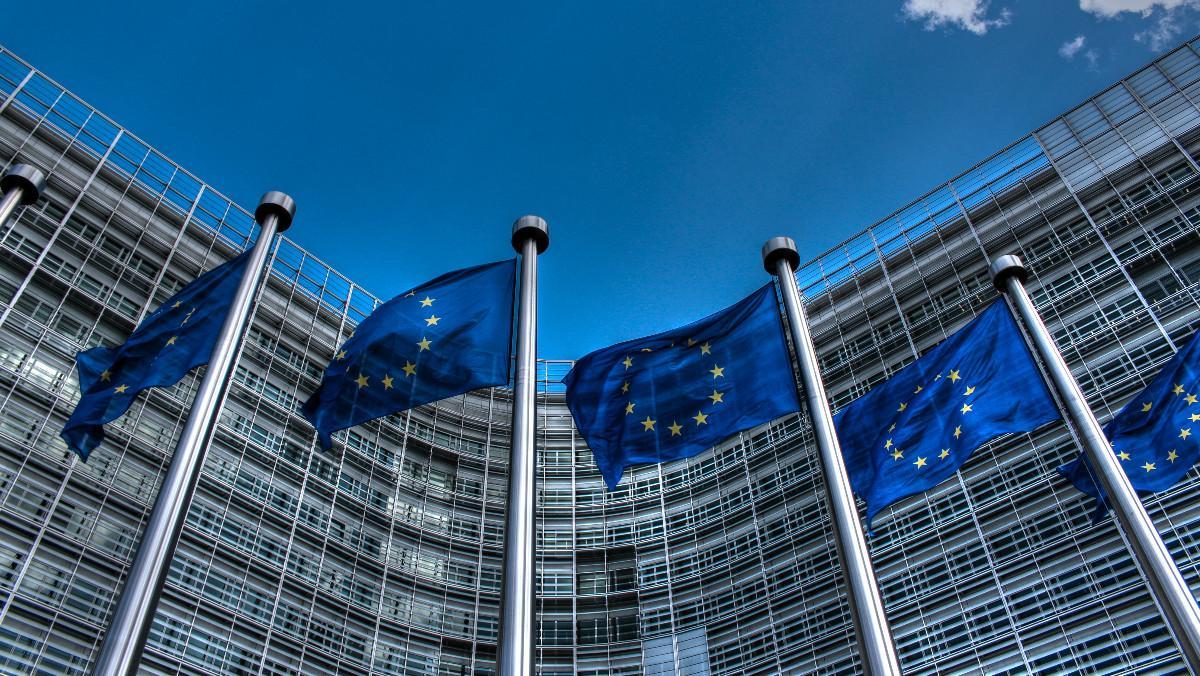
383 556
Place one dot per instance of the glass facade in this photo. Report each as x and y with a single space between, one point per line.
383 555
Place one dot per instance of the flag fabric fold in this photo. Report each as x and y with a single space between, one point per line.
176 338
450 335
914 430
677 393
1156 436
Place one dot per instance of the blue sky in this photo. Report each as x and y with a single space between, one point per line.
663 142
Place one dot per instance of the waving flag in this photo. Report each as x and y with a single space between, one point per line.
445 337
917 428
677 393
176 338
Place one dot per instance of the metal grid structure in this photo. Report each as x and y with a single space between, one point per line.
384 555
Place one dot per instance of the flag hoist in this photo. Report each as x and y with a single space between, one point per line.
876 650
130 625
530 237
1167 586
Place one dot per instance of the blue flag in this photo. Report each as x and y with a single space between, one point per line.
1157 435
174 339
677 393
448 336
917 428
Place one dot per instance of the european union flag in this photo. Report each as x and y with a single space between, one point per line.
677 393
445 337
915 429
174 339
1153 435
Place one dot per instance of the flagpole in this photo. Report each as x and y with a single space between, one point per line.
22 184
130 624
875 646
530 237
1167 586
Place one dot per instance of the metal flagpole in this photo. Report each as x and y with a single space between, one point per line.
1170 592
22 185
875 646
130 625
530 237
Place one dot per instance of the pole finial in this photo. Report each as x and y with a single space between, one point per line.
778 248
28 178
1006 266
279 204
531 226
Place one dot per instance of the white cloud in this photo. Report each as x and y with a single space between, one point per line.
1093 58
1071 47
1167 16
969 15
1163 33
1110 8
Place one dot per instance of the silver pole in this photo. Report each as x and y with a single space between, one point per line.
22 184
130 624
1167 587
530 237
875 647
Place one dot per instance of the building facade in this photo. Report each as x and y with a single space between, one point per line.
383 555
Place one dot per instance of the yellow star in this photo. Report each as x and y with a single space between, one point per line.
692 341
888 444
892 428
177 304
1172 456
701 418
629 408
361 380
706 348
1123 455
171 340
717 371
625 387
676 429
1195 417
897 454
954 377
648 424
387 382
1178 389
903 405
965 409
920 462
432 320
944 454
120 389
424 344
105 375
717 397
340 355
1191 399
969 392
628 362
957 432
410 294
918 390
646 349
188 316
1146 406
1149 467
1185 433
427 301
939 377
409 368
